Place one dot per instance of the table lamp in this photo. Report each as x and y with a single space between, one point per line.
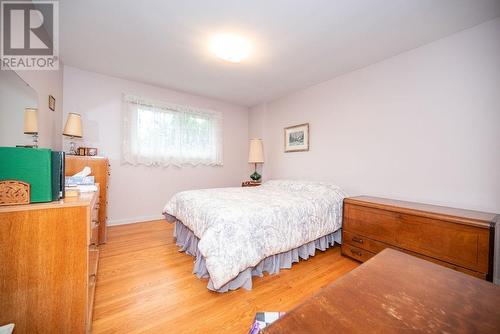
256 156
31 124
73 129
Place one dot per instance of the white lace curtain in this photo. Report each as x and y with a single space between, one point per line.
161 134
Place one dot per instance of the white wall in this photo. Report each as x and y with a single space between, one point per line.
139 192
421 126
256 129
424 125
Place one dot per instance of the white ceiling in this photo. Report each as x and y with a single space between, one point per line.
297 43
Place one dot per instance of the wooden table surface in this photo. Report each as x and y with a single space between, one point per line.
397 293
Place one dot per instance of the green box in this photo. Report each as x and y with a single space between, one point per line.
31 165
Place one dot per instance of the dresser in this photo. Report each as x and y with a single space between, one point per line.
48 265
100 170
459 239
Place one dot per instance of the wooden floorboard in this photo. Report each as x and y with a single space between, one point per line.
144 285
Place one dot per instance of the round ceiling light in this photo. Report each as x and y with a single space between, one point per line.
230 47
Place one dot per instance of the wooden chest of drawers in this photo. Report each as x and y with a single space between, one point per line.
48 265
101 171
458 239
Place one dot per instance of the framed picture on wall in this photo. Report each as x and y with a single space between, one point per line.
52 103
297 138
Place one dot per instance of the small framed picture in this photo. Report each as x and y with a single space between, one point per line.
92 151
297 138
81 151
52 103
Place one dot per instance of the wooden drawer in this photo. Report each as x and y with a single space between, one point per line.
94 232
377 224
362 242
466 246
374 246
92 272
93 259
95 212
90 301
356 253
445 264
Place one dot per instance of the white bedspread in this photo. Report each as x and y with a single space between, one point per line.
239 227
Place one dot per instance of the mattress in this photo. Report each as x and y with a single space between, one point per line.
237 228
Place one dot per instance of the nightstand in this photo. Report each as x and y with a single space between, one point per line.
250 184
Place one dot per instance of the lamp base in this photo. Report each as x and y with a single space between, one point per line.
72 148
35 140
255 177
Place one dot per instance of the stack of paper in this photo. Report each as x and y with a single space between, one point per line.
86 188
81 182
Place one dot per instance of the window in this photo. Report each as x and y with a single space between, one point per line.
160 134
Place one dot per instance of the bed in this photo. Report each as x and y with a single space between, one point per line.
237 233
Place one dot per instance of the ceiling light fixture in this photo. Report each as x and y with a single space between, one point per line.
230 47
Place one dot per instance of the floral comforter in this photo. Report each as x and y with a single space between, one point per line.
239 227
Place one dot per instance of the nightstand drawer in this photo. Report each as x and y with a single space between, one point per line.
356 253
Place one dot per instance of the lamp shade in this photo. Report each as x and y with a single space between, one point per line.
30 121
256 154
73 127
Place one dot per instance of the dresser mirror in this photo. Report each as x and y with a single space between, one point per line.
15 96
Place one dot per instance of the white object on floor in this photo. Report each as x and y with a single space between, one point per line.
7 329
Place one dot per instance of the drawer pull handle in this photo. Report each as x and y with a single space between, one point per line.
358 240
355 252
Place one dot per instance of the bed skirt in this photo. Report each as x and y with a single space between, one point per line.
188 243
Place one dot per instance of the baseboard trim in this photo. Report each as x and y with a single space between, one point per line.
114 222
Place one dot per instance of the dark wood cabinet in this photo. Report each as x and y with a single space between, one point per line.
456 238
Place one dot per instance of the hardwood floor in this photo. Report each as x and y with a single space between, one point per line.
144 285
